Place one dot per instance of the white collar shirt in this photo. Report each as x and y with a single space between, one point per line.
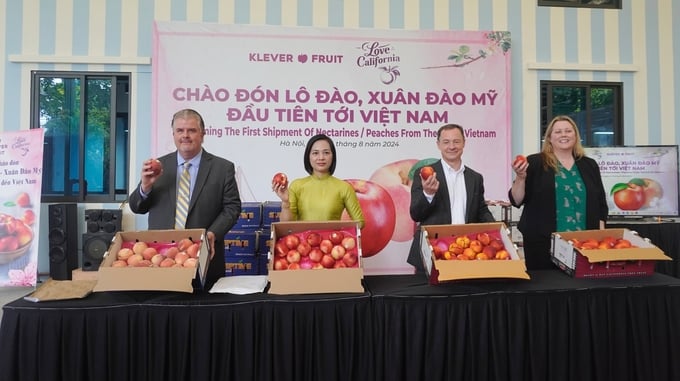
455 182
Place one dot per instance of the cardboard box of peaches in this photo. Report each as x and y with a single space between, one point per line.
470 251
604 253
310 257
163 260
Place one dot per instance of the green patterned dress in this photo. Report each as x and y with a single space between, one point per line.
570 199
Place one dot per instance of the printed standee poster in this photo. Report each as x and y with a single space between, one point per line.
21 159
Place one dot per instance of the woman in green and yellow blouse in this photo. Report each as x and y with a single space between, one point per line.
319 196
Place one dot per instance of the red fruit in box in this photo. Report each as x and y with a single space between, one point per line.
314 239
502 254
304 248
463 241
350 259
184 244
490 252
280 249
326 246
124 253
337 252
193 250
157 259
622 244
476 246
484 238
139 247
336 237
468 252
349 243
293 256
291 241
315 255
190 262
280 264
327 261
167 262
149 252
455 249
306 263
497 244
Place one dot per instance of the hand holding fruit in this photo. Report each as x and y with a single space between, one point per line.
520 165
151 170
426 172
280 186
152 167
430 182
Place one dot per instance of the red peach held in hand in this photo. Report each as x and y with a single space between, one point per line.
280 179
156 167
426 172
519 160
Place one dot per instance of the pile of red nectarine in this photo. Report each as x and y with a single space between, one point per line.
142 254
602 244
474 246
316 249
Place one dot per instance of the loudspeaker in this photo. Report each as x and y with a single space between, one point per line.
63 240
103 220
102 226
94 247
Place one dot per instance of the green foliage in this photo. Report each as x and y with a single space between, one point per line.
497 41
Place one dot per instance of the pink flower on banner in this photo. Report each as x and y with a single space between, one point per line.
26 277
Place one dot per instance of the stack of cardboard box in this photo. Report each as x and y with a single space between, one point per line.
246 244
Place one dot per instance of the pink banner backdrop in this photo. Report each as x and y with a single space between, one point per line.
380 94
21 155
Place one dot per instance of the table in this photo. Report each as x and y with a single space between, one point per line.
551 327
175 336
664 234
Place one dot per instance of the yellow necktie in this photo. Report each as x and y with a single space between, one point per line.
183 191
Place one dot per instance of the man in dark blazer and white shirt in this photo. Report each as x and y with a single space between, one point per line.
215 203
454 195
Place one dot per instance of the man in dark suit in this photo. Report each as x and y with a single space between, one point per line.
215 203
453 195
